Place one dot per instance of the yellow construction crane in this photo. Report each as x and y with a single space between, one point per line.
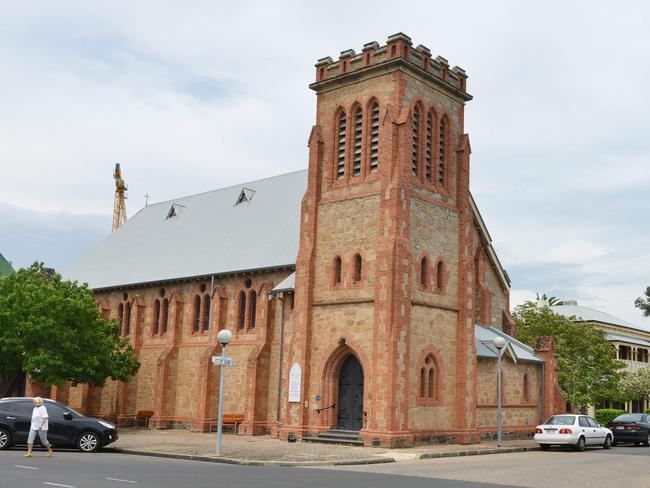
119 207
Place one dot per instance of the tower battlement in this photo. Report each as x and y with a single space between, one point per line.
398 47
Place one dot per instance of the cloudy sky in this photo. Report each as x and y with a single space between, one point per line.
192 96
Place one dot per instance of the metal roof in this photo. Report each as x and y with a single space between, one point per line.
5 266
288 284
586 314
207 234
624 338
483 337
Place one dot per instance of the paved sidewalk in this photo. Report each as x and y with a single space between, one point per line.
264 450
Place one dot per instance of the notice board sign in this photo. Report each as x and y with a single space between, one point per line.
295 378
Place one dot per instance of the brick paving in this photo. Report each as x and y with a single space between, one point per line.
267 450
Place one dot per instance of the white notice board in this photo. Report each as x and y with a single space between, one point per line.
295 378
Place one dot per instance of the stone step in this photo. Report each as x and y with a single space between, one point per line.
350 441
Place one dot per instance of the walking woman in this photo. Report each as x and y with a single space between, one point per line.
39 425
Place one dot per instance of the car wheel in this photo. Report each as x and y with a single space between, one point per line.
5 439
88 442
580 446
646 443
544 447
608 442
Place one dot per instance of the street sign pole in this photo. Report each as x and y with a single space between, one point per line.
220 414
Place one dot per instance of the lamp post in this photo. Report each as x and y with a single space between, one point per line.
224 337
499 342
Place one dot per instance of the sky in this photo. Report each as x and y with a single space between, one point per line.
191 96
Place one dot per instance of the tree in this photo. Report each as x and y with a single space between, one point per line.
588 369
635 385
644 303
544 301
52 329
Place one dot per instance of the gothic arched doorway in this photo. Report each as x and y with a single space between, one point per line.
350 411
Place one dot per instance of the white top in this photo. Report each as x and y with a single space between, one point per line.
38 414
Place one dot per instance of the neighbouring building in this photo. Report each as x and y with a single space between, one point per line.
632 344
363 292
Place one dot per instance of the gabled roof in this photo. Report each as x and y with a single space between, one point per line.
200 235
587 314
483 337
5 267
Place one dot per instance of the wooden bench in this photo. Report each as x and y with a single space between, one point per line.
229 420
142 417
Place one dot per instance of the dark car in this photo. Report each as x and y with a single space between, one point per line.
67 428
631 427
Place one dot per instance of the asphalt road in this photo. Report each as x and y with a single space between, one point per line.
107 470
624 465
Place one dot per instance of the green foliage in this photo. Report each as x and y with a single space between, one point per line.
588 369
644 303
634 385
605 415
53 330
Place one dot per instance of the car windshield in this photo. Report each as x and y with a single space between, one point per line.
561 420
629 417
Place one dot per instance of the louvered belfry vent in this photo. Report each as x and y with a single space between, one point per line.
340 163
358 118
416 139
374 138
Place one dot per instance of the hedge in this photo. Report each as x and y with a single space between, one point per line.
605 415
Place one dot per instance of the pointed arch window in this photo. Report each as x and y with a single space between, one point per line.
196 322
165 316
340 157
442 151
120 315
127 319
526 389
429 379
427 149
206 312
156 317
416 141
424 272
356 160
358 263
374 137
253 308
440 276
241 318
338 264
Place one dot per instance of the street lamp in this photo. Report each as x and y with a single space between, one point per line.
499 342
224 337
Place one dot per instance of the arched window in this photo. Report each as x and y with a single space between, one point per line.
196 323
374 137
424 272
442 151
526 390
356 160
120 316
357 268
429 379
127 319
340 158
165 316
156 317
416 140
241 319
440 275
253 305
206 312
337 270
427 152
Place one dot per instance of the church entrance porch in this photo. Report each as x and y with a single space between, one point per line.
350 395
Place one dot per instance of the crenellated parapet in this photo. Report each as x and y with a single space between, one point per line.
398 48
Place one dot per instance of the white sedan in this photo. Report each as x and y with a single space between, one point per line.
572 430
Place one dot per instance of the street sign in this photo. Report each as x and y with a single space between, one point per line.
219 361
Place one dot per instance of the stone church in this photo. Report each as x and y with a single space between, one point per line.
363 293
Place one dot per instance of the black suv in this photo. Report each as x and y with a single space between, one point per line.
67 428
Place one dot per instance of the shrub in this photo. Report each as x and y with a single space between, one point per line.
605 415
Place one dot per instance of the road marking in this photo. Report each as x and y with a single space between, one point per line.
57 484
24 467
123 481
